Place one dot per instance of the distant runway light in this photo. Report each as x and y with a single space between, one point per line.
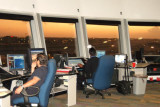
105 41
112 45
65 47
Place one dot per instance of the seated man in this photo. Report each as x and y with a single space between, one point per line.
91 66
36 79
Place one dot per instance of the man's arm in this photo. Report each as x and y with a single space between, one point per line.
33 66
27 84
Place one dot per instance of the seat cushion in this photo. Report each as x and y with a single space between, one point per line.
21 100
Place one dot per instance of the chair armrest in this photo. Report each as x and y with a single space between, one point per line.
24 92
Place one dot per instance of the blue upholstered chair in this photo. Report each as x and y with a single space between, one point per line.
43 96
101 80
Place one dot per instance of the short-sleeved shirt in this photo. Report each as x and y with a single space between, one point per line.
41 73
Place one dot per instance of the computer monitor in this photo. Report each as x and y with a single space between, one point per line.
30 52
36 50
16 62
120 58
139 55
75 61
61 59
100 53
65 58
57 57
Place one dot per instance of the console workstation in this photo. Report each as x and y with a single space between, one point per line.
18 68
66 76
122 66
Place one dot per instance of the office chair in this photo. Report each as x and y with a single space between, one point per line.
101 80
43 96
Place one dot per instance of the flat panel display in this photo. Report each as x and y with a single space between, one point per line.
100 53
120 58
74 62
16 62
29 56
36 50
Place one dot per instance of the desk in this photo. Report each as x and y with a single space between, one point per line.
137 70
70 81
4 97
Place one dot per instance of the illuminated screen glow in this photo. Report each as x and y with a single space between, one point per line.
100 53
16 62
74 62
120 58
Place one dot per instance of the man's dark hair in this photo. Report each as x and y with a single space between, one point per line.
42 59
92 51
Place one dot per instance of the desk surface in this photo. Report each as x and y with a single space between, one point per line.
5 76
139 65
63 74
4 92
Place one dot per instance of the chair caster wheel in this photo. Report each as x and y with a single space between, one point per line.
109 94
87 96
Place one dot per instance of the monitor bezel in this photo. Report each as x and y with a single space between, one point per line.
20 69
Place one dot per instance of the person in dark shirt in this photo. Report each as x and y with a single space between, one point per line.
39 71
91 65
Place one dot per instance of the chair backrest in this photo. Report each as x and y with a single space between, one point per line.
47 85
103 75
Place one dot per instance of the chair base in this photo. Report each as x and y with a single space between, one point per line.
85 87
97 92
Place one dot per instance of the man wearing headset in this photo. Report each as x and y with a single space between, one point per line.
39 71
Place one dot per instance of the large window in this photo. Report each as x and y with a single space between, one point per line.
104 37
60 38
146 38
14 37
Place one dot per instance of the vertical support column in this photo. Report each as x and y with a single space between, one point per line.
125 39
82 37
37 31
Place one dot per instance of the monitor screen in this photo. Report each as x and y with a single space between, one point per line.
100 53
16 62
120 58
74 62
36 50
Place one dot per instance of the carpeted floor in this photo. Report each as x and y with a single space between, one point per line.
150 99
